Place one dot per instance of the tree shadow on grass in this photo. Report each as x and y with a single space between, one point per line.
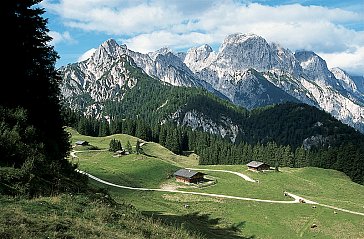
202 224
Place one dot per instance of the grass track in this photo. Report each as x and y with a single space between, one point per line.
262 220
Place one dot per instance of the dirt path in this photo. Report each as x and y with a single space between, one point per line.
245 177
341 209
297 199
73 152
184 192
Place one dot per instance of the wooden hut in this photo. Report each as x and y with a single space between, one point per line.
189 176
257 166
121 152
81 143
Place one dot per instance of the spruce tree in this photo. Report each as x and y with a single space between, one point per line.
33 90
138 148
128 147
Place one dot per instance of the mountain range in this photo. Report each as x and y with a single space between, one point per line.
246 70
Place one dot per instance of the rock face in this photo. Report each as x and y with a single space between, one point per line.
246 69
196 120
302 75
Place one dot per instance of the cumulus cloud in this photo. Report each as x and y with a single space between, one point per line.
86 55
115 17
148 25
351 61
150 42
58 37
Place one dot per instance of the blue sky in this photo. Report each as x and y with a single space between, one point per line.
333 29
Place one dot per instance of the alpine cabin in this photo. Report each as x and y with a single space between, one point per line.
258 166
81 143
188 176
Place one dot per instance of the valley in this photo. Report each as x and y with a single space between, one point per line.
218 217
176 120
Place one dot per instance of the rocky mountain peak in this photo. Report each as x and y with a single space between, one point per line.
108 49
315 68
311 61
199 53
237 38
111 46
279 75
344 79
161 51
244 51
197 57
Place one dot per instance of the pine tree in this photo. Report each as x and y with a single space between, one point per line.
172 141
276 165
34 90
138 148
128 147
300 157
115 145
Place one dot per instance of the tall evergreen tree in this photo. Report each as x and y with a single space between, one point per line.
115 145
33 89
128 147
138 148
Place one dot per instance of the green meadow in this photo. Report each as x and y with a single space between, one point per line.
214 217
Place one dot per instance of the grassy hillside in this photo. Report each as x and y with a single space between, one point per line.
79 216
229 218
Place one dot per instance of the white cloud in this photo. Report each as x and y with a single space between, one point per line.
148 25
352 62
115 17
59 37
150 42
86 55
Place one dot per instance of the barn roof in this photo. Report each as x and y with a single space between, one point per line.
81 142
255 164
186 173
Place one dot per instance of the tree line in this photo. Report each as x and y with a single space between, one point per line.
213 149
287 134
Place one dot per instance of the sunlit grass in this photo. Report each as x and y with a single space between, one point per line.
264 220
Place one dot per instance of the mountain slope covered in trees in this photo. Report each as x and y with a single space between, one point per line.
246 69
185 119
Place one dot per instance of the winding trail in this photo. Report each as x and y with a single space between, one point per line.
184 192
245 177
73 152
297 199
341 209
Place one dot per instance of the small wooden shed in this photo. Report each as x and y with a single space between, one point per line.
189 176
121 152
258 166
81 143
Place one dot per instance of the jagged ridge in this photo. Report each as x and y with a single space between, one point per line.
247 70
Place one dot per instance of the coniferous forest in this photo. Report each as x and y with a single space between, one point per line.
43 195
287 134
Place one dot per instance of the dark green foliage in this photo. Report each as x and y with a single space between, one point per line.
291 123
212 149
115 145
276 166
138 147
33 142
292 134
152 101
104 128
128 147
